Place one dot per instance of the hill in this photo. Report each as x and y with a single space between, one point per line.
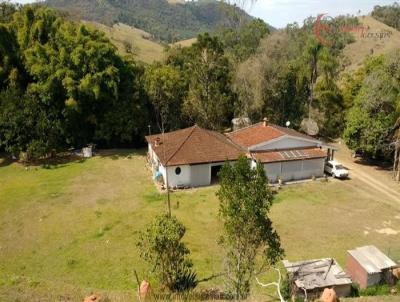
130 40
167 21
380 39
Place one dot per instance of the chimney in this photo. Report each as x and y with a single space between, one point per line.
157 142
265 122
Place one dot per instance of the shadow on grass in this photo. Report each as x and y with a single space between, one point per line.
377 164
63 159
116 154
5 160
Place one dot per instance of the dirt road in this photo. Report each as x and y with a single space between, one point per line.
377 180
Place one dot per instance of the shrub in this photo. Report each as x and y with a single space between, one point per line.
378 290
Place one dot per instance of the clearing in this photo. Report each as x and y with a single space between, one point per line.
355 53
72 228
143 47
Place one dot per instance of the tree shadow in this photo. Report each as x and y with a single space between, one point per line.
376 164
5 160
116 154
63 159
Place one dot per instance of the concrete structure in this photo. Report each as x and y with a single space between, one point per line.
192 157
368 266
310 278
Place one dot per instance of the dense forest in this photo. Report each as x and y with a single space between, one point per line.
63 85
167 22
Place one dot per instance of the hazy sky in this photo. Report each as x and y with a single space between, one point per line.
278 13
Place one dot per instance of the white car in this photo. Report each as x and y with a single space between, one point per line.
336 169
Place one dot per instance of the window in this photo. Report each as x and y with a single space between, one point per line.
178 170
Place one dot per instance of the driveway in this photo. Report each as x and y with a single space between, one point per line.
378 181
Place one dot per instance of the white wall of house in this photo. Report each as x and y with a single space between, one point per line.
286 142
200 175
191 175
295 170
177 180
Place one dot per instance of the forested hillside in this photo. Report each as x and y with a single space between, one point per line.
388 14
168 22
64 85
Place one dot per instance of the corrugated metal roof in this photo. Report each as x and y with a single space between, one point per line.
372 259
318 273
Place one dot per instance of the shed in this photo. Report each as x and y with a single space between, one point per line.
311 277
368 266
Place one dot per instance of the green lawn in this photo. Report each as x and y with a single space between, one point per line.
72 229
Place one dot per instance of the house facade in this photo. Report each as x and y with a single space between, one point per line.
285 153
192 157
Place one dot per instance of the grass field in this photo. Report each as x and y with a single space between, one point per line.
355 53
143 48
72 229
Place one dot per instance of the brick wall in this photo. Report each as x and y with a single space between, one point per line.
356 271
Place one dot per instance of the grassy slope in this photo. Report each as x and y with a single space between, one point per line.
73 228
185 43
356 52
144 48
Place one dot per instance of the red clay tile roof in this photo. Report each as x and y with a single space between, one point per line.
258 133
193 145
288 155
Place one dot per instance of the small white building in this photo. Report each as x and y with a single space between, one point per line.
192 157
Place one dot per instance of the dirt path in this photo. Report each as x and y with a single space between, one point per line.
377 180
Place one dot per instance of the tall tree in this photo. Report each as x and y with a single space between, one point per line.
74 77
166 90
376 108
162 247
245 201
210 98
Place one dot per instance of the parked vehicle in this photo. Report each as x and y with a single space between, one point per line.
336 169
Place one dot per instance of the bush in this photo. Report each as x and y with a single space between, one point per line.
355 290
378 290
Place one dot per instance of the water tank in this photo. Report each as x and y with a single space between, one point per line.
240 122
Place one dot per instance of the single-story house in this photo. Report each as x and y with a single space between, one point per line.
193 156
190 157
285 153
310 278
368 266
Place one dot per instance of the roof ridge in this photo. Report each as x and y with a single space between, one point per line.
276 127
166 133
226 140
184 141
247 127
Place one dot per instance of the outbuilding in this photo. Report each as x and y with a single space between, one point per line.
368 266
309 278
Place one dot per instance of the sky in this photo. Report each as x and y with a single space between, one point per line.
279 13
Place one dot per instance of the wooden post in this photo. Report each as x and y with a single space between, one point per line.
396 164
166 174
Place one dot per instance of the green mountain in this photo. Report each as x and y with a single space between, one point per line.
167 21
